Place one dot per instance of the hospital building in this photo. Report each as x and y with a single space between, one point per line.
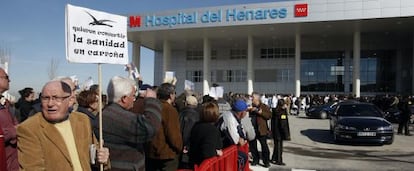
358 47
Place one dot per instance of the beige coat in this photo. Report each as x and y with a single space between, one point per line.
41 147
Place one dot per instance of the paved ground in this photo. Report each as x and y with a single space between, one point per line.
312 148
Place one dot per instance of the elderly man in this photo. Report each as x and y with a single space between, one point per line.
8 124
259 114
55 139
124 131
231 127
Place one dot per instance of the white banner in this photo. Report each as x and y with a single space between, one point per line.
216 92
188 85
95 36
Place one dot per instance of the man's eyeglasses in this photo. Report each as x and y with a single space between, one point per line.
5 77
55 98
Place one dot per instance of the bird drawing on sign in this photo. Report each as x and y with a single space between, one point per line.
99 22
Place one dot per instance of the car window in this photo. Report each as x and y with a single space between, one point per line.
358 110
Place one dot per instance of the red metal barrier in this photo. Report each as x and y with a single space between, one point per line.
245 149
226 162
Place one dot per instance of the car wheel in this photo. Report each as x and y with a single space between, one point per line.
323 115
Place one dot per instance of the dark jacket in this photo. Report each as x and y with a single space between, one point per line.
205 140
280 124
93 118
125 133
188 117
24 109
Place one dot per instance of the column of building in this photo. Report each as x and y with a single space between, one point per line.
206 65
166 55
297 64
356 63
250 72
136 54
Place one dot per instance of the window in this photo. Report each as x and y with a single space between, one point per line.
238 54
277 52
322 71
284 75
234 76
199 55
195 76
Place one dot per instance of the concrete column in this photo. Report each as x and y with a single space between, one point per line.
136 55
206 65
250 72
347 74
166 56
297 64
356 88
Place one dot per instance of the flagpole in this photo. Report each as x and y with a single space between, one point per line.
100 110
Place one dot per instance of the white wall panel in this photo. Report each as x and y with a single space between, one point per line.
371 4
390 12
353 5
371 13
314 2
390 3
407 3
407 11
335 7
335 1
353 14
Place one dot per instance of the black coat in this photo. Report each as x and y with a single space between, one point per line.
188 117
205 140
280 124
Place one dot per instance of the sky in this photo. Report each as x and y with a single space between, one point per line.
32 33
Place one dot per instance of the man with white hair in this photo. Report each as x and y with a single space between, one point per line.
124 131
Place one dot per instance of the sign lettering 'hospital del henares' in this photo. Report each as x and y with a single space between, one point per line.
215 16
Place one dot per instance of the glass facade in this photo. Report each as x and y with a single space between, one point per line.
325 71
378 70
322 71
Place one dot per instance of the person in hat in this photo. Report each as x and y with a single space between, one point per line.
188 117
230 125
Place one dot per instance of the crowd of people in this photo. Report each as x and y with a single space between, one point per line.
144 127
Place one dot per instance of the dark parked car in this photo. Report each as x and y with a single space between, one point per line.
361 123
392 115
321 111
